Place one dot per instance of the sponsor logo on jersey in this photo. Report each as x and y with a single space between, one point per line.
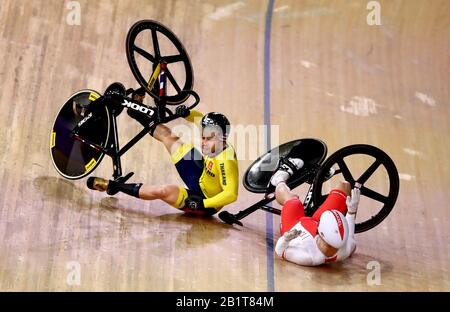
339 223
209 167
210 174
222 170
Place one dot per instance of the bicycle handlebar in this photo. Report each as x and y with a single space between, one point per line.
168 114
195 95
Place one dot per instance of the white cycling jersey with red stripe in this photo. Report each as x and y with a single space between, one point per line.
303 249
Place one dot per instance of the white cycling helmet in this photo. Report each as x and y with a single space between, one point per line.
333 228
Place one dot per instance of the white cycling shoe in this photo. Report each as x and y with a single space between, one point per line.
286 169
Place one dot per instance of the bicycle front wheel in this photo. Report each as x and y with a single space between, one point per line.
368 168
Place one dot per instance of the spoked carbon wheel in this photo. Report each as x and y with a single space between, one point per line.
149 43
71 158
369 168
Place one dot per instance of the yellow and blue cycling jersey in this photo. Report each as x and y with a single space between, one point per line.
214 178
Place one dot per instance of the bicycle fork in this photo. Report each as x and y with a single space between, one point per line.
308 203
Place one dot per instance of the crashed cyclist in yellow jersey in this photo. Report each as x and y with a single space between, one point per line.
211 176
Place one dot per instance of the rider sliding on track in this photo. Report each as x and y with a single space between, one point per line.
327 236
211 177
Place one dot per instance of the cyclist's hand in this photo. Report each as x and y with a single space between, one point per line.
182 111
290 235
353 201
139 95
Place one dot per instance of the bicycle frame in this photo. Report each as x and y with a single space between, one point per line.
157 113
268 198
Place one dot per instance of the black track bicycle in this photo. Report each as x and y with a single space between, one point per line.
364 166
85 128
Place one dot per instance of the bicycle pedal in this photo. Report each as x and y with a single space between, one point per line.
228 218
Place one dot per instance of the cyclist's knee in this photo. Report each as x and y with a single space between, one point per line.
159 191
153 192
283 193
167 192
164 134
345 186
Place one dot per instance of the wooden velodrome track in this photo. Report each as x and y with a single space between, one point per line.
332 76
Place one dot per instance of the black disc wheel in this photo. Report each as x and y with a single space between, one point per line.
368 168
71 158
148 44
258 175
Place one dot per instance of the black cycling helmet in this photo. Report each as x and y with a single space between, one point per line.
217 120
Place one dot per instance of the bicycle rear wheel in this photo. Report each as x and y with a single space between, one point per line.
258 175
71 158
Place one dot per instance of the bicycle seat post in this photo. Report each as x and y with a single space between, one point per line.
161 103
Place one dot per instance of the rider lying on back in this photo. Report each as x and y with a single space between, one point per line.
210 176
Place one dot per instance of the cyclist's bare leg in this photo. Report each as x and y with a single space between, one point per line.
163 134
345 187
283 193
167 193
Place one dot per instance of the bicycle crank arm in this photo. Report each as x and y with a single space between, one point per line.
125 178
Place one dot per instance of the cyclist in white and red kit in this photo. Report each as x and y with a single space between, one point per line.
327 236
